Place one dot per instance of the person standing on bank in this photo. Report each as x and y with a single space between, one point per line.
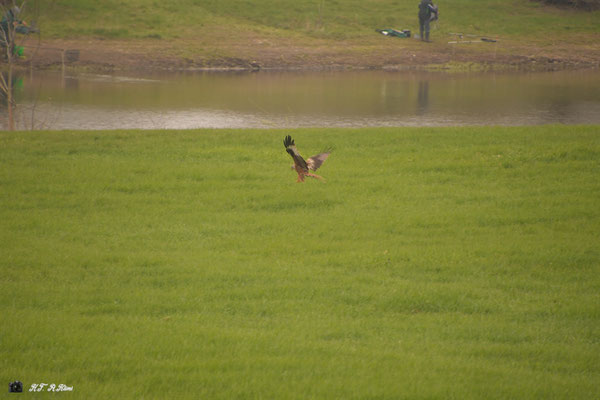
427 12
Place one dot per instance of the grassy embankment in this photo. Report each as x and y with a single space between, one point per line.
434 263
226 28
317 18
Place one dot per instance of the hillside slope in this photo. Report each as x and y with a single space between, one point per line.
311 34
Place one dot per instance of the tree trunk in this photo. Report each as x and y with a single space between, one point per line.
9 97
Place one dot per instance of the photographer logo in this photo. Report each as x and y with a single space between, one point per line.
15 387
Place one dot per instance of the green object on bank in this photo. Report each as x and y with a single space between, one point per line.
405 33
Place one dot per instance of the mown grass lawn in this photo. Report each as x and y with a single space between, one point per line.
434 263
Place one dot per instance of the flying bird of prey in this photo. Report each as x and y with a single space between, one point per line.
302 166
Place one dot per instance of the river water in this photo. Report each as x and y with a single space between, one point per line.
305 99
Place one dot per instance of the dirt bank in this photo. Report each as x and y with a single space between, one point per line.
254 53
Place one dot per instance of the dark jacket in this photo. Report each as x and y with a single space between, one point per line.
425 9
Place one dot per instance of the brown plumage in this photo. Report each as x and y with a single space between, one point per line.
302 166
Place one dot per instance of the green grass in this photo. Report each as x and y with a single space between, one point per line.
434 263
330 19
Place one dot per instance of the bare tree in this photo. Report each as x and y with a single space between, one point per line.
10 25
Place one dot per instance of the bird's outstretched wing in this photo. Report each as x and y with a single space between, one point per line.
315 162
290 147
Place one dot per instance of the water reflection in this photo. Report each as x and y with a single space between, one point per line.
10 84
282 100
423 98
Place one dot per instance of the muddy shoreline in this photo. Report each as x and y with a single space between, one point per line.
103 56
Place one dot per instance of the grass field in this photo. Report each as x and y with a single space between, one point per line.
438 263
329 19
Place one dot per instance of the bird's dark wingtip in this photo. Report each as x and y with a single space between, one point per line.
288 141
